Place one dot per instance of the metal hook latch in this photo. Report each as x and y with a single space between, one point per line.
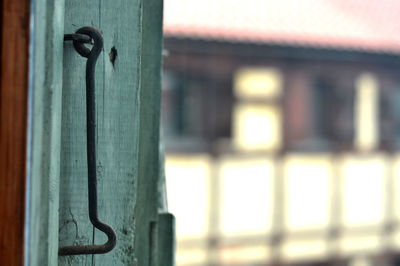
82 36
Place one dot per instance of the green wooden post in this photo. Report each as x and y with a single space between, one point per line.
151 178
43 201
131 189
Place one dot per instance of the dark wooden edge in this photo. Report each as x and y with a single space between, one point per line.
15 18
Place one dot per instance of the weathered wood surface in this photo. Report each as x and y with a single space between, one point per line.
46 132
117 96
146 208
126 116
13 125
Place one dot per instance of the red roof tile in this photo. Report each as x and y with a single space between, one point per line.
372 25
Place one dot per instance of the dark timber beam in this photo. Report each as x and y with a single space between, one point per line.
13 127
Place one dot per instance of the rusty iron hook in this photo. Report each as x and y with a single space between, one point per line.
82 36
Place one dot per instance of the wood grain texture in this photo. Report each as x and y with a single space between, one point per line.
146 210
120 24
46 132
13 125
117 96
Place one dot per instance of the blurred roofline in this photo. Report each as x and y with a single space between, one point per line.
333 24
181 44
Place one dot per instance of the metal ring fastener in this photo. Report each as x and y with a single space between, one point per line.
82 36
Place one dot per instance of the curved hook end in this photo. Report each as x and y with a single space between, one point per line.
95 35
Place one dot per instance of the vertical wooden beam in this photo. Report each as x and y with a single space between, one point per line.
48 34
389 201
335 211
13 125
214 206
146 210
278 216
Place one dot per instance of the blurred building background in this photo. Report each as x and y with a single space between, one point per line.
281 124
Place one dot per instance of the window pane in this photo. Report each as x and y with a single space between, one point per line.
187 185
308 180
363 190
319 110
257 127
246 196
258 82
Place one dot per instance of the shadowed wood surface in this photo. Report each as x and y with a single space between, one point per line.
13 124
